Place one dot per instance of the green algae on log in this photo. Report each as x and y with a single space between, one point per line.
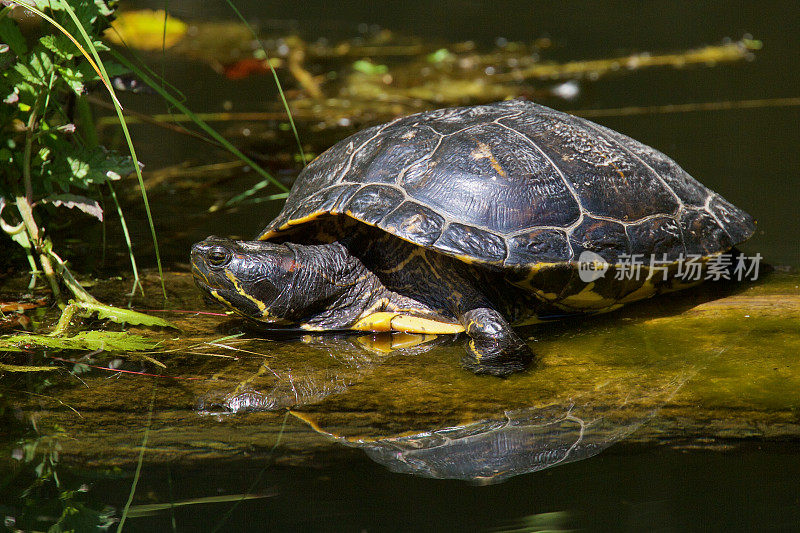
709 367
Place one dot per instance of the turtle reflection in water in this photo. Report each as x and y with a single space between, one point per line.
468 220
329 366
520 442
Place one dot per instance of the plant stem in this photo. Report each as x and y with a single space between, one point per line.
84 113
72 284
64 320
26 212
26 167
20 236
136 281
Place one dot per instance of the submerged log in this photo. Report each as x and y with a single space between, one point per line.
710 367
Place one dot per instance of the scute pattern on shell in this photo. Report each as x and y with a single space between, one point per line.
515 183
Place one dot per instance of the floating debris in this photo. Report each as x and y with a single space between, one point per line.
382 74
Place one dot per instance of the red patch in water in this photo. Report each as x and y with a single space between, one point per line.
244 68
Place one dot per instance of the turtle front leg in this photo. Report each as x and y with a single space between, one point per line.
493 347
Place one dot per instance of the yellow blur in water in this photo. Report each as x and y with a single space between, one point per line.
146 30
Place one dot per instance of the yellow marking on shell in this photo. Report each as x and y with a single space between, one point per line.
471 260
617 169
290 223
550 296
414 324
483 151
527 284
417 252
387 321
647 290
586 299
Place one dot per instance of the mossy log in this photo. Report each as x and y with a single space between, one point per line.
711 366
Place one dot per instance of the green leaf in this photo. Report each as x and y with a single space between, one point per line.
24 92
10 34
92 16
116 314
25 368
41 66
60 45
73 78
73 201
26 74
87 12
110 341
83 167
100 46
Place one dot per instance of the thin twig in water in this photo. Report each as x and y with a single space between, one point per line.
45 396
687 108
238 349
142 449
228 514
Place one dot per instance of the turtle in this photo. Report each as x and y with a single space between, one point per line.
470 220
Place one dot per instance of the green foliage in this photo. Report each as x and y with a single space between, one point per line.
109 341
105 312
116 314
42 78
22 368
45 500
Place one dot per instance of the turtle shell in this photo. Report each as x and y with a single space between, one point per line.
514 184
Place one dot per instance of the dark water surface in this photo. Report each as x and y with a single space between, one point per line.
749 156
674 415
625 489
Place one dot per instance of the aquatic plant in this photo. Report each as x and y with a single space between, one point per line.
50 149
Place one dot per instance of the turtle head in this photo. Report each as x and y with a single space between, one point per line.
311 286
250 277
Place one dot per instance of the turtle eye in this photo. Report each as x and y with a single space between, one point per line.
219 257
